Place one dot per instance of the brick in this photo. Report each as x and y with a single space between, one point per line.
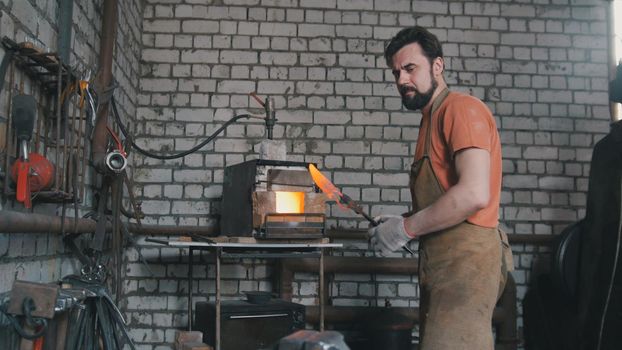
391 148
354 31
351 178
192 176
278 58
517 11
555 214
351 147
521 214
357 89
329 4
199 56
237 57
310 87
316 30
317 59
161 26
520 181
298 116
395 179
278 29
535 152
357 60
556 183
199 26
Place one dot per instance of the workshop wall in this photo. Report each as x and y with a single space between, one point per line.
43 257
541 67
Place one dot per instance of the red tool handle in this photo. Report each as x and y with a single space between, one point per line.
23 184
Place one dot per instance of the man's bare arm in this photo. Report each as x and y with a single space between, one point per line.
470 194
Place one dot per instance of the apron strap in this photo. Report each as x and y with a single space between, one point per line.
437 103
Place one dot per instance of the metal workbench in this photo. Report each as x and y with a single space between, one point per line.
246 247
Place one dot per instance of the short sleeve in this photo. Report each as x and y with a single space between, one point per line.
467 123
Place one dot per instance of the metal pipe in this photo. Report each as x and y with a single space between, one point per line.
20 222
106 52
172 230
614 107
65 21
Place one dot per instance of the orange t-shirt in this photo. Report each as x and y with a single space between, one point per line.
461 122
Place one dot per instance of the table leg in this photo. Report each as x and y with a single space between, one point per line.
217 335
321 290
190 263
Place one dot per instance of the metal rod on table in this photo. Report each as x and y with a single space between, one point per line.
190 263
322 290
218 253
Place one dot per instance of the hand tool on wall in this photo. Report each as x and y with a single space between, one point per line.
24 108
343 200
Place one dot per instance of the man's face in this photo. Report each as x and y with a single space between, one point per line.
413 76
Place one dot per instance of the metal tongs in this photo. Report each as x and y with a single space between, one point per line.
333 193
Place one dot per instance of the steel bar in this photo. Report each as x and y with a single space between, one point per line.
117 240
269 255
74 144
67 136
59 86
321 290
81 140
218 286
65 16
190 264
169 230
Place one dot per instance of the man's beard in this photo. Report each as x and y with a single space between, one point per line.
420 99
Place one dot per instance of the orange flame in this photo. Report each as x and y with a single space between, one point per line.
325 185
290 202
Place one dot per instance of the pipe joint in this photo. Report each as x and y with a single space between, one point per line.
116 161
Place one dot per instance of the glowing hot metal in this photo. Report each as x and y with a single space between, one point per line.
343 200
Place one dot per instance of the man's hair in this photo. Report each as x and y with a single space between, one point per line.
417 34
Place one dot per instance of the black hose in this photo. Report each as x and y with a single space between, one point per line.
28 306
181 154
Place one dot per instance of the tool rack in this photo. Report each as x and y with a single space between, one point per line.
61 131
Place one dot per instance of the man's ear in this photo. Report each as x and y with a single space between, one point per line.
438 65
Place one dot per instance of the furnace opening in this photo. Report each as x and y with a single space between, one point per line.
290 202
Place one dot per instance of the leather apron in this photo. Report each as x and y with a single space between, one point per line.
461 274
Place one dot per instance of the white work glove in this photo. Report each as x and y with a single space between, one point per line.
390 234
